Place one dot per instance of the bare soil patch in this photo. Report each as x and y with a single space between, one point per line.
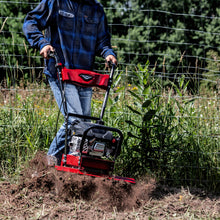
44 193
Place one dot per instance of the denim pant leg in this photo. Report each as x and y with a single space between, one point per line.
78 101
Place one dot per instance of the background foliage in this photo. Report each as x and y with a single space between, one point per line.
151 30
165 97
158 31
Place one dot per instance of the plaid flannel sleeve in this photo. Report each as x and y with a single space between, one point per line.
36 21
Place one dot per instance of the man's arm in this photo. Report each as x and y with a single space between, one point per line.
36 21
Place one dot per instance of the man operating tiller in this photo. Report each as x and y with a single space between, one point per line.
77 30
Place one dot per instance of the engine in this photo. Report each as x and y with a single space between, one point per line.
97 140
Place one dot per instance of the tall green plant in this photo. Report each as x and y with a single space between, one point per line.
162 137
145 108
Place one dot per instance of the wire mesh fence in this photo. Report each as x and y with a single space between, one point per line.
182 46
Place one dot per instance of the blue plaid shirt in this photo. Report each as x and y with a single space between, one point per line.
77 29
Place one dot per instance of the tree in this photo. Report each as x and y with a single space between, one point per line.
165 31
15 53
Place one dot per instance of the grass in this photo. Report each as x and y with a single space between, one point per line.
28 122
168 132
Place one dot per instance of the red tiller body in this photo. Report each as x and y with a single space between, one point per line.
96 146
93 167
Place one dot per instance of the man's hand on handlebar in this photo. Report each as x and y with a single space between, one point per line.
46 50
110 59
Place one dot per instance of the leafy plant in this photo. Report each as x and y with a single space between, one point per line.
162 134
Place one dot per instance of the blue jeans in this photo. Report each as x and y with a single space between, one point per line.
78 101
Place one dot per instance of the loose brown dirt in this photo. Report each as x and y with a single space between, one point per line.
44 193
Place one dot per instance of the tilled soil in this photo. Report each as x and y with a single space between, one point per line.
44 193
